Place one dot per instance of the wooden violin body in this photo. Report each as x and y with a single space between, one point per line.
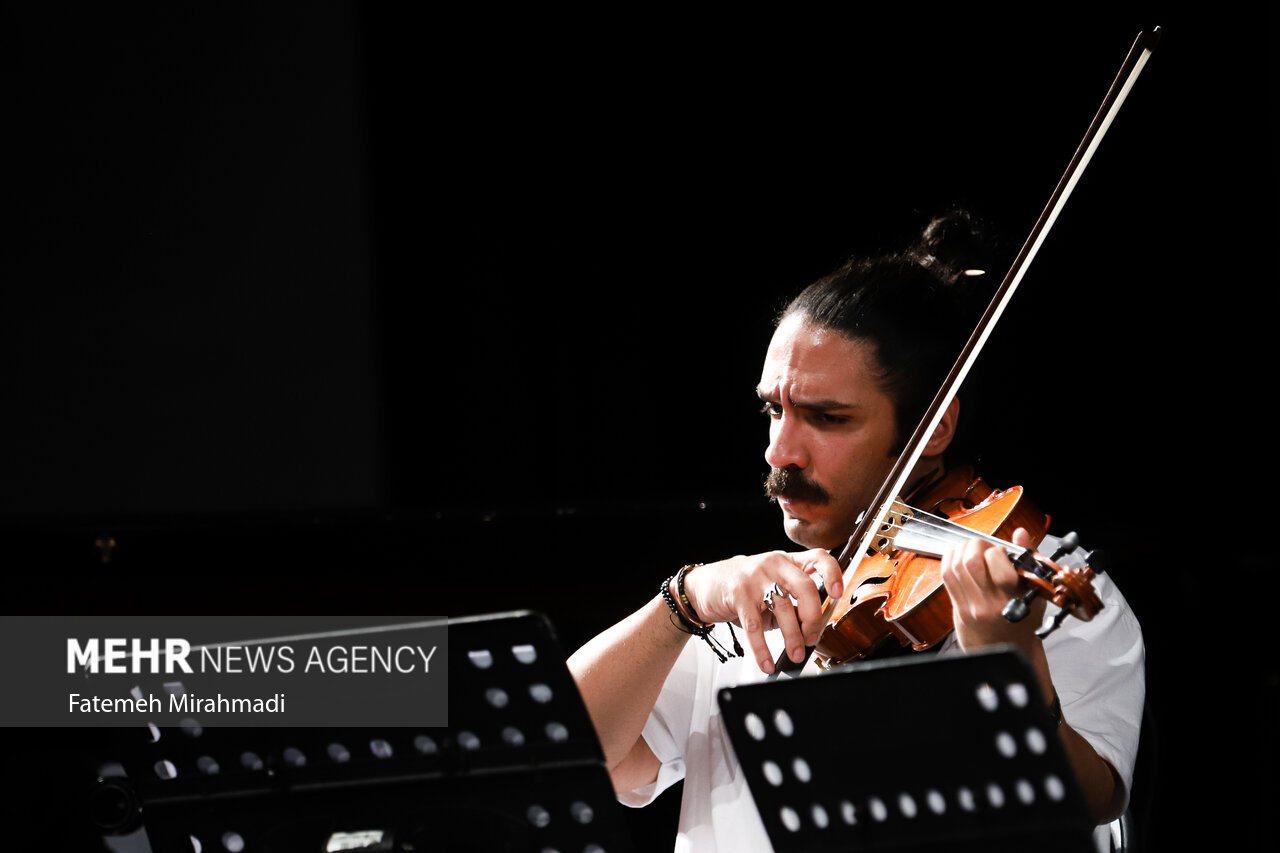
897 593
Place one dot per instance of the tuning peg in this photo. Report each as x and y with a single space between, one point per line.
1018 608
1057 620
1069 543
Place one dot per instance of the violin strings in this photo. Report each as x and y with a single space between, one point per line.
957 532
928 528
923 542
947 536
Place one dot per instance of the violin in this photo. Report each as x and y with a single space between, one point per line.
897 592
892 589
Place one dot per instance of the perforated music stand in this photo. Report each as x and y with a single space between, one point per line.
518 768
953 753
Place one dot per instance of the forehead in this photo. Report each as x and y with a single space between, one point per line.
807 361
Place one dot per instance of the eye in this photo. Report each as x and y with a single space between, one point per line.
773 410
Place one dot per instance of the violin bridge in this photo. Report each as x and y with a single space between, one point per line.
883 543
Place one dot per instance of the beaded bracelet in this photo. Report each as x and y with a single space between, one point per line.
695 626
684 599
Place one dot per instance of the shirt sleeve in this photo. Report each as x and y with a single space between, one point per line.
1098 669
667 729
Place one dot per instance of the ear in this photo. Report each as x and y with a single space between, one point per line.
945 431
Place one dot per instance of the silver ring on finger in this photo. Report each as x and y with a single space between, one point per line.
770 594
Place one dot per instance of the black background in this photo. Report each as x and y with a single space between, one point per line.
313 308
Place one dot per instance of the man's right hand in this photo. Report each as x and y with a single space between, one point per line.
734 591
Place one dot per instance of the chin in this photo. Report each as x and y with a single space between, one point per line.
808 534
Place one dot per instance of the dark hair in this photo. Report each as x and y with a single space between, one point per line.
916 307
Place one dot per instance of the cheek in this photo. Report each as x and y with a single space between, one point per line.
861 462
862 477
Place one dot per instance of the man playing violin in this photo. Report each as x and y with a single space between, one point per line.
852 365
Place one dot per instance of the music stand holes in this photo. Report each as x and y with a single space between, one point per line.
165 769
879 811
1018 695
232 842
848 813
987 697
965 798
512 736
381 748
196 846
480 658
191 728
1006 745
525 653
206 765
907 805
1036 741
497 697
937 802
468 740
337 752
819 815
153 732
540 693
1025 791
790 819
425 745
995 795
782 722
801 769
593 848
538 816
251 761
294 757
581 812
557 732
755 726
1054 788
772 773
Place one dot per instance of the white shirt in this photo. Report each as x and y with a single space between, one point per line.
1096 666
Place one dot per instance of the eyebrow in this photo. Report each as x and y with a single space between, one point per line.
813 405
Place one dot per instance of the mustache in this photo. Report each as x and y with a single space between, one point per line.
791 483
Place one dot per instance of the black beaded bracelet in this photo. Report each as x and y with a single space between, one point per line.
686 625
697 629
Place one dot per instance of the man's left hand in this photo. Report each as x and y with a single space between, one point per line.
981 580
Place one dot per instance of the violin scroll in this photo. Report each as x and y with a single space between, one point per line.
1070 588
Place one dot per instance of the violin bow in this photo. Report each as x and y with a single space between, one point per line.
868 527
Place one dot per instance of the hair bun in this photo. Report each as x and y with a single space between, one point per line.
956 244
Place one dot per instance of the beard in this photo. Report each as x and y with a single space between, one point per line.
791 483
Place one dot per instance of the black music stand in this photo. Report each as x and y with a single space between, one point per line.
937 753
518 768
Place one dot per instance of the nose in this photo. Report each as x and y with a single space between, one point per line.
786 444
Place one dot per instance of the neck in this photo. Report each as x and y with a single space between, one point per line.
928 471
